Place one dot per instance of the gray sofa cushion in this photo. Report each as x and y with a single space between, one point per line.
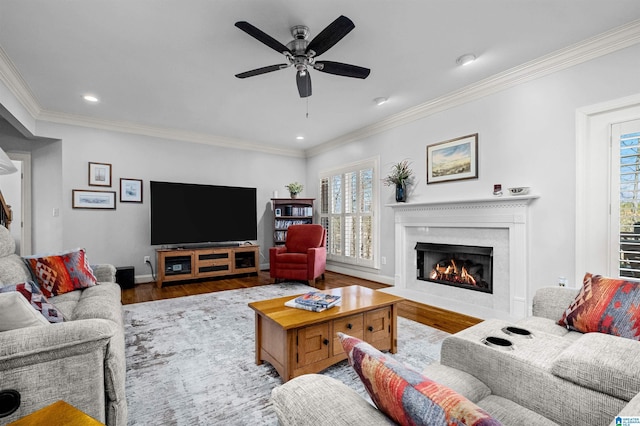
463 383
13 270
315 399
551 302
511 414
602 362
547 326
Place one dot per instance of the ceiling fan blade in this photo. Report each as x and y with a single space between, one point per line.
262 70
334 32
304 83
262 37
338 68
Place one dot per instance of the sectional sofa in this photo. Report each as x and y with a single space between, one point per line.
532 372
79 359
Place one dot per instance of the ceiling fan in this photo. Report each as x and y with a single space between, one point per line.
302 54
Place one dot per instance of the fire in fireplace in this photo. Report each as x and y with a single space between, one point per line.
456 265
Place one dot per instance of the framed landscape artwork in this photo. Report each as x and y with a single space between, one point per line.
455 159
130 190
99 174
93 199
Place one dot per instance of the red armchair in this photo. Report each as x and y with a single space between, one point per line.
303 256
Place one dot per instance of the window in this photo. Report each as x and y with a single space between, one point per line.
626 217
347 212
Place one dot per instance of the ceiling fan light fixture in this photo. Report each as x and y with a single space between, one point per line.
466 59
380 101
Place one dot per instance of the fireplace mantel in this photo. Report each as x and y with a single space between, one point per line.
467 202
496 218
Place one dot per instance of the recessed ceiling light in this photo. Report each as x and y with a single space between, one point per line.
380 101
90 98
466 59
300 138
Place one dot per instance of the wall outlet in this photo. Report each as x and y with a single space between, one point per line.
383 260
562 281
147 259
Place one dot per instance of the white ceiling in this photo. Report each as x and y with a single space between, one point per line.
170 64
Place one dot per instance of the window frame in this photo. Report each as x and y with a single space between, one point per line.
617 131
355 167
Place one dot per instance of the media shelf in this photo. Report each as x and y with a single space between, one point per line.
287 212
207 262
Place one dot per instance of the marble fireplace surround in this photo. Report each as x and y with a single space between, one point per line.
499 222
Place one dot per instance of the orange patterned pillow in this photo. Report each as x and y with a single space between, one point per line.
405 395
605 305
62 273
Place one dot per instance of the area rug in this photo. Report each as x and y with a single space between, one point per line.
191 360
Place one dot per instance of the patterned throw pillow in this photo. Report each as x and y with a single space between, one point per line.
62 273
605 305
32 293
405 395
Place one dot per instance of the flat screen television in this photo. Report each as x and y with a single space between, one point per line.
185 213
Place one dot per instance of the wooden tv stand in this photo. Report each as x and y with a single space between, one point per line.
209 262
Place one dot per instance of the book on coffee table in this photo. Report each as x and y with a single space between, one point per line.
318 299
314 301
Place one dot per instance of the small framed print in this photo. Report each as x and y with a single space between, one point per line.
278 212
105 200
455 159
130 190
99 174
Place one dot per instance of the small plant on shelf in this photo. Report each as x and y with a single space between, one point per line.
294 189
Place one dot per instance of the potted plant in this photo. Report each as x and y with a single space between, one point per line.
400 176
294 189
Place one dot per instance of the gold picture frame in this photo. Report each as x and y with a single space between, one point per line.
455 159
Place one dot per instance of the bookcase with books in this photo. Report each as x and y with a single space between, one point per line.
287 212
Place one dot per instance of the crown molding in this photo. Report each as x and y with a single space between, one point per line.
10 76
164 133
600 45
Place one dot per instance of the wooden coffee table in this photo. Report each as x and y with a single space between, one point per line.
299 342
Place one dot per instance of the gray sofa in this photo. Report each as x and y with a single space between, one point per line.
553 376
80 361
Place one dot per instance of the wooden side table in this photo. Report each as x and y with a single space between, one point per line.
57 414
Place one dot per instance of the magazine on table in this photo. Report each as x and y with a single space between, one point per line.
292 304
318 299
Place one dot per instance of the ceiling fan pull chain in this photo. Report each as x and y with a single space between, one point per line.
307 107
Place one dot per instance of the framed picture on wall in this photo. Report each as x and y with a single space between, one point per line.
455 159
93 199
99 174
130 190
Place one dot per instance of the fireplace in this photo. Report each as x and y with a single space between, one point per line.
498 222
469 267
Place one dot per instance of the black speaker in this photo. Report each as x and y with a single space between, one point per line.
125 276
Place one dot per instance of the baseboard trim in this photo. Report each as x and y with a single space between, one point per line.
383 279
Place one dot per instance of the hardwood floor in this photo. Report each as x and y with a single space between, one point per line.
442 319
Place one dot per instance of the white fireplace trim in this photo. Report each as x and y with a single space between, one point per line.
509 212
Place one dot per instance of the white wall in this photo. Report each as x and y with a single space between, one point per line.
527 137
122 237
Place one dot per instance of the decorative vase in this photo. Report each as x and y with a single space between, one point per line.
401 192
293 195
